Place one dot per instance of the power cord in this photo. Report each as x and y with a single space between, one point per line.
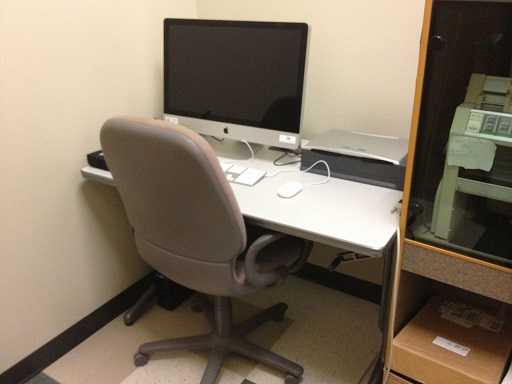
306 170
250 149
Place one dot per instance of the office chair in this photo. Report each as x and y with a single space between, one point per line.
188 226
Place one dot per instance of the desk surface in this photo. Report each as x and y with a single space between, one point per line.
345 214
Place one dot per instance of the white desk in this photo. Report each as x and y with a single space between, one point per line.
349 215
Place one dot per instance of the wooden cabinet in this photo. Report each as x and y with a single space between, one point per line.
461 41
465 41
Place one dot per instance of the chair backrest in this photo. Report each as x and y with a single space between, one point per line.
174 191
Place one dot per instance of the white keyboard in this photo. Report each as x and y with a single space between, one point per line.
241 174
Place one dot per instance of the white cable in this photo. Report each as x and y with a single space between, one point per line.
306 170
250 149
328 172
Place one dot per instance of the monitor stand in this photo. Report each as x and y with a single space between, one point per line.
232 149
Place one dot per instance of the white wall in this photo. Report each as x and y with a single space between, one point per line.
363 58
65 67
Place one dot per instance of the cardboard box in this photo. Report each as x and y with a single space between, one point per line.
395 379
451 342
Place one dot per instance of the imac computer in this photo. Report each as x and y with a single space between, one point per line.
239 80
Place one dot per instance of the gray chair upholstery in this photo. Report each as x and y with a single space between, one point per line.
188 226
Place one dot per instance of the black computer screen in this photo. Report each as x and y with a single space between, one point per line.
245 73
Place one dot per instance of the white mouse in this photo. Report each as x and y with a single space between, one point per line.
289 189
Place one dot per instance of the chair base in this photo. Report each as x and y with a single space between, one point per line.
226 339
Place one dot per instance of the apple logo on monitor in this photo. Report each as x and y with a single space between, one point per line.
226 130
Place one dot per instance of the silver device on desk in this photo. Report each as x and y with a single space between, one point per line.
480 124
358 156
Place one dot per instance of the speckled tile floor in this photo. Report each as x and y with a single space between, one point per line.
333 335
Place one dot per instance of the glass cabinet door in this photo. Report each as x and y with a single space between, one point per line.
461 189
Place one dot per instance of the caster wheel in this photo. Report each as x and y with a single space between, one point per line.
289 379
140 360
129 319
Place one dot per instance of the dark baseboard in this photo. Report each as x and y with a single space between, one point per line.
70 338
341 282
67 340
